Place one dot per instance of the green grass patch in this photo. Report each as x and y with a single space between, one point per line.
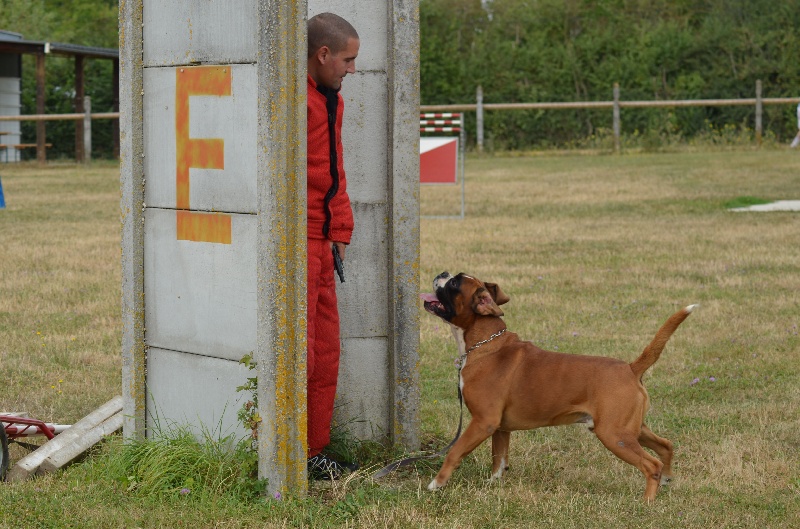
743 202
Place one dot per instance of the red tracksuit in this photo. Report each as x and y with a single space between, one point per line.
330 218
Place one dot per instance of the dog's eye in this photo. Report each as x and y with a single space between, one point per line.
454 283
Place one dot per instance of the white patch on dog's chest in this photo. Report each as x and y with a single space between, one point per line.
458 334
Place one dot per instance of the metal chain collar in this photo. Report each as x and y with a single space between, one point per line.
487 340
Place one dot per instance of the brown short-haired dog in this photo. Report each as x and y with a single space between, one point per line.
509 384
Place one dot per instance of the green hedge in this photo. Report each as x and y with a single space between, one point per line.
575 50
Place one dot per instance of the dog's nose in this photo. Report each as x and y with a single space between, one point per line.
440 280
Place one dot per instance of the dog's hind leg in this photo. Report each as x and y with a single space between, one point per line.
476 433
663 449
500 442
625 446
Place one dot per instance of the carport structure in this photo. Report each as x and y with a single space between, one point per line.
80 54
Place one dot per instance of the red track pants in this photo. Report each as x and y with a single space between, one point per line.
323 344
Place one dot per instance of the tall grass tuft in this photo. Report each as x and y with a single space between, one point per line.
177 463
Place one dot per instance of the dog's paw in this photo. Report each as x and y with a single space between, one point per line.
500 471
434 485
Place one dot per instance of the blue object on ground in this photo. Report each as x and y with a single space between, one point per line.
2 200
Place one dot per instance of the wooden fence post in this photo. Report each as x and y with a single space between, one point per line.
478 119
759 113
87 129
616 119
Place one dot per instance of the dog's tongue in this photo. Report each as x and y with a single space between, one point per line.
428 297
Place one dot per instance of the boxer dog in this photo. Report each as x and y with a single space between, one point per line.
509 384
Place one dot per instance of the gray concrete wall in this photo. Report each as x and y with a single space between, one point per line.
200 294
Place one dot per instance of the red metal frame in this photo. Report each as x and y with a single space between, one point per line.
13 427
26 427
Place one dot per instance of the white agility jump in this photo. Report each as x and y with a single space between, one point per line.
441 157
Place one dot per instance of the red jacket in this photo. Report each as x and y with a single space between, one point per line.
330 215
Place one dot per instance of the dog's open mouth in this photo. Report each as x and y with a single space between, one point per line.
432 304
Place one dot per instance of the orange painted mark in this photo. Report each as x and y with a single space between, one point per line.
204 227
198 153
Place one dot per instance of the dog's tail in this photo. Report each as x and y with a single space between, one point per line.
651 353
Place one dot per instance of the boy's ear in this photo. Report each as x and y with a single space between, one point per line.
322 54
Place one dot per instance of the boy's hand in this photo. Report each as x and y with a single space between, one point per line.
340 247
338 265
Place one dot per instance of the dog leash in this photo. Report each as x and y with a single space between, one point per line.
407 461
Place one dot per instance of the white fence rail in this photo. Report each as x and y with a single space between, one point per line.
616 105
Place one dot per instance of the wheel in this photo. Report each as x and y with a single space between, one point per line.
3 453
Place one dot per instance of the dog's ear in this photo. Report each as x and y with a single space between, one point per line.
483 303
498 295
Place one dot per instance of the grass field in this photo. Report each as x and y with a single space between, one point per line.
595 252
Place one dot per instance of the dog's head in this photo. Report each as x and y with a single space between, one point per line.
458 300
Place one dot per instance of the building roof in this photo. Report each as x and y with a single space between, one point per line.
13 43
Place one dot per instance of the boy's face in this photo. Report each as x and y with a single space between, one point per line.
334 67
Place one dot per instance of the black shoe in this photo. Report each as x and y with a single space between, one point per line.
322 467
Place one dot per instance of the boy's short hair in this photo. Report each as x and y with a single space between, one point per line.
327 29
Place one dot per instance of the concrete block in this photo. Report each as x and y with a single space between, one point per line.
366 285
365 137
363 399
230 118
88 438
200 297
198 31
26 467
193 307
194 391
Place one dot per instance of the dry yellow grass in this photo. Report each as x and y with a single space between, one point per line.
59 289
595 252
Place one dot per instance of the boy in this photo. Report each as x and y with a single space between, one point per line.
332 49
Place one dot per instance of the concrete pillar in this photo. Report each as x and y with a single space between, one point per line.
213 206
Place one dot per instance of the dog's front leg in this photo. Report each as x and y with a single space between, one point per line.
476 433
500 442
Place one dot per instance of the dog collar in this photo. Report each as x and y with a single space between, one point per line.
487 340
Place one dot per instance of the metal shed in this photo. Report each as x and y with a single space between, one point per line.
12 47
10 97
